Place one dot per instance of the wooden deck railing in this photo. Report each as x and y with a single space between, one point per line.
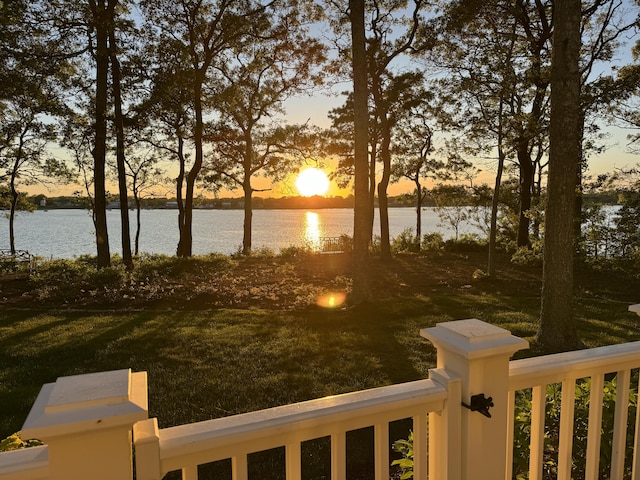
88 421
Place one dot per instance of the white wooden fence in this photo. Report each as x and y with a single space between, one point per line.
92 423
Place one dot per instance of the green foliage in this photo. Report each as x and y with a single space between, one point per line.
522 429
71 281
528 257
522 432
467 242
405 449
293 251
15 442
432 242
406 241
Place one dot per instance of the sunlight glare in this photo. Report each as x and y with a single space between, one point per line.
332 300
312 230
312 181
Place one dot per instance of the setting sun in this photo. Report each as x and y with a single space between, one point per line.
312 181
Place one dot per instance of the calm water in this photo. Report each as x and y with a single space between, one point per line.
69 233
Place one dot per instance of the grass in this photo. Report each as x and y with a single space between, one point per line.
220 336
213 363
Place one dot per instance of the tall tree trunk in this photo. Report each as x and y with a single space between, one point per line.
419 199
101 19
247 189
179 187
495 201
136 199
13 208
526 186
372 187
557 331
120 154
186 236
361 236
383 199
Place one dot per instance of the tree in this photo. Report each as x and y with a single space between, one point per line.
29 100
118 117
198 33
383 47
276 61
412 152
102 14
144 175
361 238
557 331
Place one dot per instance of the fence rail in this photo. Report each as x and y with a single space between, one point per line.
88 421
187 446
567 369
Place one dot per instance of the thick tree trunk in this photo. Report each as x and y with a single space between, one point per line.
526 186
247 223
138 225
493 230
179 187
12 213
127 258
419 199
100 146
372 188
361 233
186 236
557 330
383 200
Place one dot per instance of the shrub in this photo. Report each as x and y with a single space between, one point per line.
528 257
432 242
293 251
404 448
466 243
406 241
15 442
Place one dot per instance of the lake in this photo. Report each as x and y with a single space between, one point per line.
70 233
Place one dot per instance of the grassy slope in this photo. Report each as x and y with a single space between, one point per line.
206 364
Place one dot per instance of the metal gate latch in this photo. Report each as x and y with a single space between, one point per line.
480 404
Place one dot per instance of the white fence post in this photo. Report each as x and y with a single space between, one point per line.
478 354
87 421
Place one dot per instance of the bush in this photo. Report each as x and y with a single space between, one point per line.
292 252
432 242
405 449
466 243
405 242
15 442
528 257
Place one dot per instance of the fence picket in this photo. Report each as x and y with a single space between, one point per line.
595 425
621 415
536 456
381 449
338 456
293 452
567 410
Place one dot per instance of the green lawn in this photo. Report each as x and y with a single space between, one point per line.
207 364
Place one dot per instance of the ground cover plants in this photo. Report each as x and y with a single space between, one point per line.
220 335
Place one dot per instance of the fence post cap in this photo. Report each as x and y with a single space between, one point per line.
473 338
87 402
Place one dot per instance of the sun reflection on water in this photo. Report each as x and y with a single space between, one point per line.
312 230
